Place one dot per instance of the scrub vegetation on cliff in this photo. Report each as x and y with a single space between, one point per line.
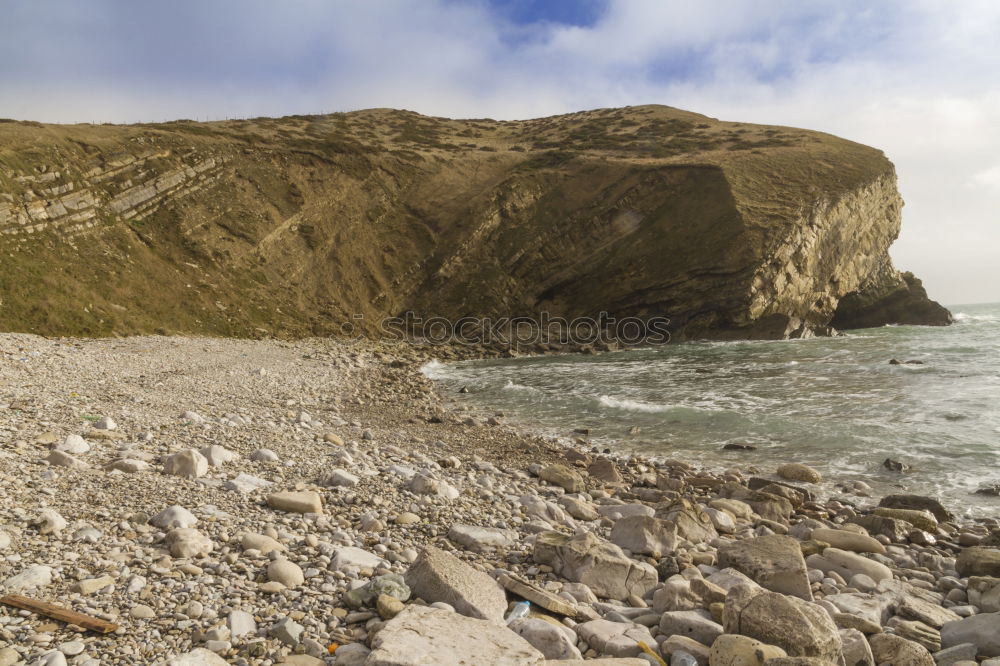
292 226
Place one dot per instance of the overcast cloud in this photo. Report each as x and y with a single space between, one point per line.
916 78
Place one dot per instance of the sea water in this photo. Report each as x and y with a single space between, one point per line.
834 403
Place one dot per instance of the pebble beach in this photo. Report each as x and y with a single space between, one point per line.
316 502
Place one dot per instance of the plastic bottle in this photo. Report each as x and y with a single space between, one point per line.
519 610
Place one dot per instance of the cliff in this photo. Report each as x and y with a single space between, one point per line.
293 226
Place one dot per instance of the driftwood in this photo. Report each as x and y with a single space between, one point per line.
58 613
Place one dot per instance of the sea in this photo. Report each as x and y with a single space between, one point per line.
835 403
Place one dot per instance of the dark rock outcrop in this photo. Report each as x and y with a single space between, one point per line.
889 297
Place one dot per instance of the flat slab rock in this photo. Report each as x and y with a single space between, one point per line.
537 596
422 636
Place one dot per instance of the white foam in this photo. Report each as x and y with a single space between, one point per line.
634 405
434 369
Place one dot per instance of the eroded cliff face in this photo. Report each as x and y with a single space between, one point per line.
319 225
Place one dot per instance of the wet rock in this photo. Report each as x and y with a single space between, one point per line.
895 465
978 561
439 576
420 635
895 530
775 562
799 472
602 566
923 520
917 503
800 628
895 650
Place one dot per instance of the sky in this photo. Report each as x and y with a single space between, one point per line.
919 79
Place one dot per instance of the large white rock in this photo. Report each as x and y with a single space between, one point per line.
552 641
34 576
774 561
217 456
197 657
50 522
174 516
62 459
285 572
350 557
614 639
602 566
73 444
847 564
307 501
439 576
246 483
188 463
480 539
420 635
186 542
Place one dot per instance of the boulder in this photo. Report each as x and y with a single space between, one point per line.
799 472
563 476
285 572
873 608
931 614
923 520
186 542
766 505
197 657
481 539
217 456
440 576
614 639
187 463
774 561
857 652
578 508
895 530
604 469
848 540
687 520
978 561
554 641
296 502
420 635
588 559
645 535
846 564
174 516
982 630
800 628
694 624
895 650
735 650
32 577
917 503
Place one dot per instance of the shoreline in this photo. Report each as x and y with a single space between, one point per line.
395 469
